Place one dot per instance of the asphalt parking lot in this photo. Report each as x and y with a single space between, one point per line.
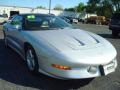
14 75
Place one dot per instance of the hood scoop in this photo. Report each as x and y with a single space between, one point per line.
80 42
66 40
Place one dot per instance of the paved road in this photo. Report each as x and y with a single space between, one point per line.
14 75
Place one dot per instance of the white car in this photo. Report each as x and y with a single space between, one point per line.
51 46
75 20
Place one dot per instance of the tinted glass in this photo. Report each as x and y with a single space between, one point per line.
16 20
44 22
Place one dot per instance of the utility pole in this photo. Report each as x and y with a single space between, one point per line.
76 9
49 6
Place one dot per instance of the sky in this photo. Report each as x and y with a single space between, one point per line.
44 3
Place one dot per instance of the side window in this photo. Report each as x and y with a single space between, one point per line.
17 20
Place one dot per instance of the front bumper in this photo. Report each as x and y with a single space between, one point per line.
83 72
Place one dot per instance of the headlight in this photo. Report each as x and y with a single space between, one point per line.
61 67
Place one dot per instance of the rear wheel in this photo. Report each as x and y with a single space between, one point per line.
115 33
31 60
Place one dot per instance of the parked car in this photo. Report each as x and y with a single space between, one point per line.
72 19
3 19
83 16
64 18
114 24
100 20
51 46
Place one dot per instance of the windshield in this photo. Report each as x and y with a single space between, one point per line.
44 22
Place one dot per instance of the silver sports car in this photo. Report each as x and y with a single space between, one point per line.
53 47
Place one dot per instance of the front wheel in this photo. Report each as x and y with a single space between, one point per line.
31 60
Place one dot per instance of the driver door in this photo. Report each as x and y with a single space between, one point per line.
14 34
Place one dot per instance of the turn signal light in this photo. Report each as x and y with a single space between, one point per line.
61 67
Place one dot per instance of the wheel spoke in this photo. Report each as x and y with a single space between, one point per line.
30 52
30 60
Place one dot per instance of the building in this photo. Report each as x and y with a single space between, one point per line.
4 9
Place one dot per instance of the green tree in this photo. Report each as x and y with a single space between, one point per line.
92 6
107 8
58 7
116 5
40 7
101 7
69 9
80 7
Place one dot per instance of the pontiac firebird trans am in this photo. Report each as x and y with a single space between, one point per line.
53 47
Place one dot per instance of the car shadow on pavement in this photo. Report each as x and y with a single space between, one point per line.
13 70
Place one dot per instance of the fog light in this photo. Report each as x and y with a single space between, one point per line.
61 67
92 69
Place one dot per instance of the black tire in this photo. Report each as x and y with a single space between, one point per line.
36 66
115 33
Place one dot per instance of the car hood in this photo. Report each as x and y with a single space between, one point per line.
65 39
77 44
